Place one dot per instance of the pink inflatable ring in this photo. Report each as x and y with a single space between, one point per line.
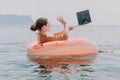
78 47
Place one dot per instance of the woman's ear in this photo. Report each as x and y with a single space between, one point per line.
44 28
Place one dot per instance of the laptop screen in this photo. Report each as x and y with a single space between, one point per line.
83 17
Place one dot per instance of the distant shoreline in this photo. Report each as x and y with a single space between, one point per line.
11 19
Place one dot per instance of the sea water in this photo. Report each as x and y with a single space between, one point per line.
15 64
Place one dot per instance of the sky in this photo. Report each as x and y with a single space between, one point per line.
102 12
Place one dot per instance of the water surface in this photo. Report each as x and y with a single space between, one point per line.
16 65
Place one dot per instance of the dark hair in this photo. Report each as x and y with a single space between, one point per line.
39 24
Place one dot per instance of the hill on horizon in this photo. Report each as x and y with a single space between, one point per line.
11 19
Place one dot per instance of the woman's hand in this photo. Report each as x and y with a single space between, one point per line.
71 28
61 20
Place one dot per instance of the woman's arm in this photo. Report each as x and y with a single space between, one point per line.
43 39
63 22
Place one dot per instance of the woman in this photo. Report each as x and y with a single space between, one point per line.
42 26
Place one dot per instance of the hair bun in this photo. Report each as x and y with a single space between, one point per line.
33 27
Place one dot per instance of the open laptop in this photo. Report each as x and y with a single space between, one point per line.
83 17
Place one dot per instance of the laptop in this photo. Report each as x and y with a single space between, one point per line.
83 17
